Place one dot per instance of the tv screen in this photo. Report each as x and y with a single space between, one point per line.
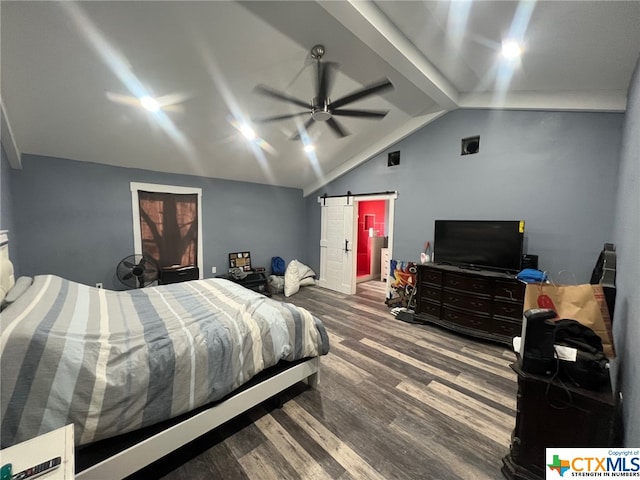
486 244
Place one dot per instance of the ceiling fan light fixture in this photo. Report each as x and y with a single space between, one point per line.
248 132
320 115
309 148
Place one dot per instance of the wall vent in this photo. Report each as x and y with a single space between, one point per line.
393 159
470 145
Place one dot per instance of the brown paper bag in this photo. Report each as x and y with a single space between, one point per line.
584 303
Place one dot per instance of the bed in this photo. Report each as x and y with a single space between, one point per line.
113 362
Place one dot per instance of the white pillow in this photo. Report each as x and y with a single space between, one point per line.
7 279
21 286
291 279
305 271
307 282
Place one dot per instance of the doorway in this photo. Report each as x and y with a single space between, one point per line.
371 239
338 238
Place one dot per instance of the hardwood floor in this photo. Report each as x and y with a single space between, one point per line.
396 400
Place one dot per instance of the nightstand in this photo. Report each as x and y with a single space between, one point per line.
256 281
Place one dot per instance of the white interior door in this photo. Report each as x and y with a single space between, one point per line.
337 258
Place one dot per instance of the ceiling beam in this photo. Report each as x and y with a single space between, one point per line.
598 101
8 140
370 25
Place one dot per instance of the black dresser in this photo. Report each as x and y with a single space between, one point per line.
480 303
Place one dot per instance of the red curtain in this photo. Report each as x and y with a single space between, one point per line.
169 227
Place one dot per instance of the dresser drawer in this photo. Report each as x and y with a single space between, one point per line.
506 327
510 290
465 319
428 275
467 302
429 308
479 286
430 292
503 308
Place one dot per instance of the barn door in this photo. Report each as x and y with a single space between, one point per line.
337 257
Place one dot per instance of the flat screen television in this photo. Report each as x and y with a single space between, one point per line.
484 244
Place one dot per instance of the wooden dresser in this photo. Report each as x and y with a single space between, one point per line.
480 303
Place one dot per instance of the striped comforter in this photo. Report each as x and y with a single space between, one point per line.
112 362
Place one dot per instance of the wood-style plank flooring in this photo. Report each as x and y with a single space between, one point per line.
395 401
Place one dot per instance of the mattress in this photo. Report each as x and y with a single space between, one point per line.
112 362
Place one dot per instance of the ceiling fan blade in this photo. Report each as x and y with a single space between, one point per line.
123 99
173 108
270 92
128 276
306 126
377 87
338 129
279 117
326 74
128 264
360 113
171 99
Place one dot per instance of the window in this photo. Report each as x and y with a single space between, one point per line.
167 223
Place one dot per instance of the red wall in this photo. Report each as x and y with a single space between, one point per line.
377 208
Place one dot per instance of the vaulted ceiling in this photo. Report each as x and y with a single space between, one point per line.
70 73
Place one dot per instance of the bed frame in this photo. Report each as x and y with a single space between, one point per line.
147 451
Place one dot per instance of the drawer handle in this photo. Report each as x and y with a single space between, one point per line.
477 304
508 310
477 286
475 322
453 282
510 293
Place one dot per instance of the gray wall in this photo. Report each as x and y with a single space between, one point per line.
6 207
74 219
626 323
555 170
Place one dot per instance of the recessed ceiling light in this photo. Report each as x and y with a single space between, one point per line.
511 49
248 132
309 148
150 104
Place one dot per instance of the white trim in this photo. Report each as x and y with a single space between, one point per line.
153 187
9 140
147 451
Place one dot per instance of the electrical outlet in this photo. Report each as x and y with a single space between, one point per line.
99 285
214 269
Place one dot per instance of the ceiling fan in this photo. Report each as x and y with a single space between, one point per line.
322 108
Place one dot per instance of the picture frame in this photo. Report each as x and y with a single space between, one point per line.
240 260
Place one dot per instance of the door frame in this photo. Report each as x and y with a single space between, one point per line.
390 198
